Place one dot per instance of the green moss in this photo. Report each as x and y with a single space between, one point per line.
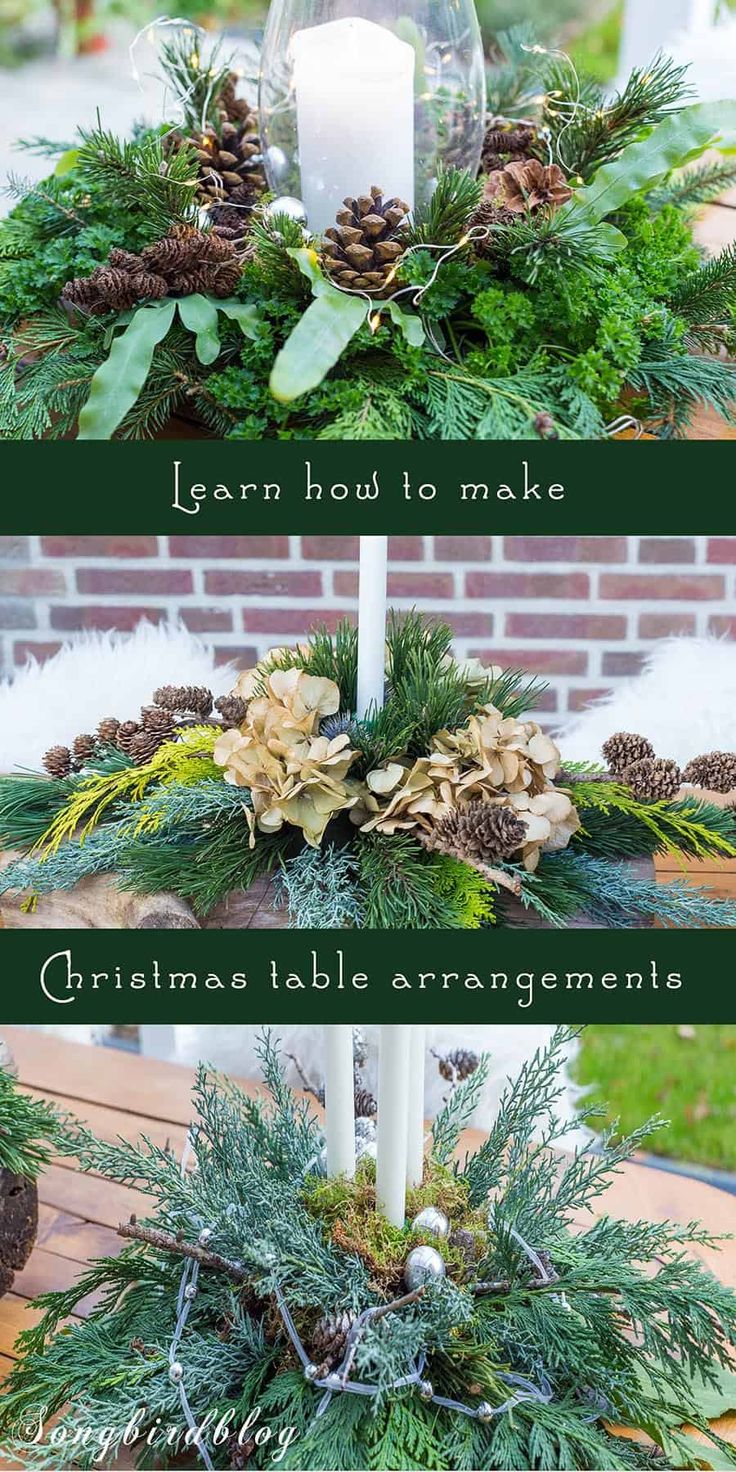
348 1211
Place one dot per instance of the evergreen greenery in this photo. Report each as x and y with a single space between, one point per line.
29 1130
174 824
551 324
623 1327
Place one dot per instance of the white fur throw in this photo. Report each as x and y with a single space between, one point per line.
684 701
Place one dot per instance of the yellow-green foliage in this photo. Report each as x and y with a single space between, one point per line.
188 759
675 825
348 1211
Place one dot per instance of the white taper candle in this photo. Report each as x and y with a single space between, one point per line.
339 1103
372 622
393 1118
415 1137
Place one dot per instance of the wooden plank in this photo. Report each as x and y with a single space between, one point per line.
88 1196
46 1272
146 1086
109 1124
69 1236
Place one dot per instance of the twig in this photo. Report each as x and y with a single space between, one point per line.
166 1242
434 844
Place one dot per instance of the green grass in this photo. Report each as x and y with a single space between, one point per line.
638 1071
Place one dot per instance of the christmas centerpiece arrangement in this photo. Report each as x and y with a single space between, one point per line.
381 783
277 1302
389 250
29 1129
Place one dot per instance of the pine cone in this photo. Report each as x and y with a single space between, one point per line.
194 260
716 770
653 779
184 699
483 831
365 1104
127 731
83 748
230 173
624 748
232 709
505 142
143 746
58 761
467 1243
526 186
158 721
458 1064
107 731
114 288
234 109
361 250
330 1336
545 426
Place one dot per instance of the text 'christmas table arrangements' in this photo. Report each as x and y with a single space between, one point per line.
382 783
483 1327
382 253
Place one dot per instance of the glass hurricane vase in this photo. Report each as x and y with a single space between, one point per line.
362 93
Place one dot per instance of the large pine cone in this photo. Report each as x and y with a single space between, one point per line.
624 748
107 731
458 1064
483 831
361 250
653 780
184 699
231 178
716 770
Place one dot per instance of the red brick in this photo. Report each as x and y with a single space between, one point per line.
296 621
527 585
565 626
264 583
15 549
666 549
17 616
345 549
227 547
206 620
622 662
578 699
117 546
31 582
462 549
470 625
664 625
675 587
537 661
565 549
24 649
722 625
722 549
244 656
401 584
545 702
70 617
154 582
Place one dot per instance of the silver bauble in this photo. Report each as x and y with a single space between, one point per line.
276 164
176 1372
484 1412
423 1265
321 1165
286 205
366 1150
431 1219
365 1127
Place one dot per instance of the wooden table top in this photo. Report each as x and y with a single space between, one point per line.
130 1095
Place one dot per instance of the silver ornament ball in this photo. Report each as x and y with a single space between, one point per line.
321 1166
423 1265
176 1372
366 1150
286 204
365 1127
431 1219
484 1412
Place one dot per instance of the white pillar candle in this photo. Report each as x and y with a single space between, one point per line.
393 1111
354 84
371 622
415 1138
339 1101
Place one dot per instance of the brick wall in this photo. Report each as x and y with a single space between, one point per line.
582 611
